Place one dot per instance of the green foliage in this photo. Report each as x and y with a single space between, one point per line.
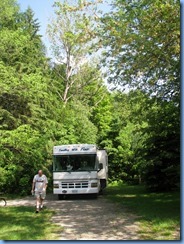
143 40
162 147
8 13
24 101
102 115
22 153
142 51
125 136
44 104
33 116
76 122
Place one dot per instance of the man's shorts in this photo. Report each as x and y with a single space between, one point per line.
41 195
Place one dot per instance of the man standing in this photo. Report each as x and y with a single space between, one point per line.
39 187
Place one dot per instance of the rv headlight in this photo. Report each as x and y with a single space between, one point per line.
56 185
94 184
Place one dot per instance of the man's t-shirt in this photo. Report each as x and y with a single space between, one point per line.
40 182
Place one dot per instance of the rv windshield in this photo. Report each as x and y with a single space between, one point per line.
75 162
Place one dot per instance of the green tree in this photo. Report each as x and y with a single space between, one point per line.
122 134
8 14
33 56
26 103
102 116
22 153
142 41
161 150
142 46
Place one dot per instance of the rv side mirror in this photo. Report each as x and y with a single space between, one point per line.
100 166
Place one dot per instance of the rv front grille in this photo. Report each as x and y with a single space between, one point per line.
81 184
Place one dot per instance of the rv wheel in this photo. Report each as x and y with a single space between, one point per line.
95 195
60 196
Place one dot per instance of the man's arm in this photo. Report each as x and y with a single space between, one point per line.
33 185
46 183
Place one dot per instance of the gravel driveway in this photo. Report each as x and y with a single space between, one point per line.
84 218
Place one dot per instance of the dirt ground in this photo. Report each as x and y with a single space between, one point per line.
85 218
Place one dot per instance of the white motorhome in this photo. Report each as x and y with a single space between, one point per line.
79 169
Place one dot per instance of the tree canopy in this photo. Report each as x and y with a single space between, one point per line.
67 100
143 45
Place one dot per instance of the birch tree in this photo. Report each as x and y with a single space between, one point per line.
72 33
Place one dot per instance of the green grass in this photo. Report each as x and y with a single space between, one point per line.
22 223
158 213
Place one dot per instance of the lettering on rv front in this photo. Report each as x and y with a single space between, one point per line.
74 149
84 148
63 150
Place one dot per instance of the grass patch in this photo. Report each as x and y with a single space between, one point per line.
22 223
159 213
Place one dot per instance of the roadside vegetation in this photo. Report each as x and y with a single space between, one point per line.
158 213
45 103
79 96
22 223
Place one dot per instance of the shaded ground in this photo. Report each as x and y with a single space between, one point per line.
84 218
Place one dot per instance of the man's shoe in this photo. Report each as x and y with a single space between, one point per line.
37 210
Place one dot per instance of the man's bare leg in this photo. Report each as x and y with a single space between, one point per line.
37 203
41 203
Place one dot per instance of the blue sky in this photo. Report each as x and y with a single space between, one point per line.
42 8
43 11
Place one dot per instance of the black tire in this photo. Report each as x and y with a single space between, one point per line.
95 195
101 192
103 184
2 202
61 197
